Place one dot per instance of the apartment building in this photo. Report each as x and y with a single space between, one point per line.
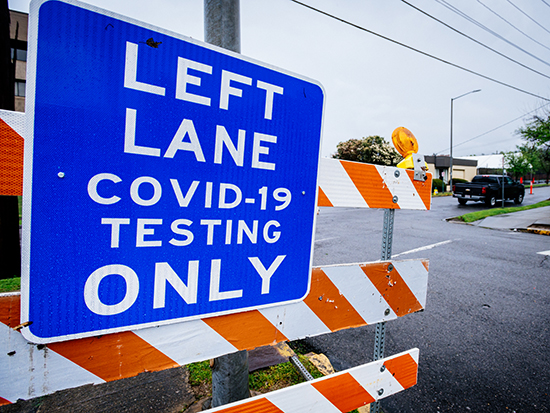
18 38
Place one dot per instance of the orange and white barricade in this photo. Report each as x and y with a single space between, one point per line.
339 392
341 297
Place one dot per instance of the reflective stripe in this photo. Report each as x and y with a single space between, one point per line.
361 185
339 392
341 296
12 125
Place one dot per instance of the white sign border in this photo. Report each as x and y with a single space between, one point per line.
28 157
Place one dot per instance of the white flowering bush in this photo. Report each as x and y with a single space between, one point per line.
373 149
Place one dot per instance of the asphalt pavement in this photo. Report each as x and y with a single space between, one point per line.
454 363
484 335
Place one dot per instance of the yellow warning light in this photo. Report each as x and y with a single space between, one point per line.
406 144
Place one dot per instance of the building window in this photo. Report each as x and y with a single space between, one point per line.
20 88
18 54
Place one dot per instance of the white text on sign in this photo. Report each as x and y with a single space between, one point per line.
108 188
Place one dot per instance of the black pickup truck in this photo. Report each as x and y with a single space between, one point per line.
488 189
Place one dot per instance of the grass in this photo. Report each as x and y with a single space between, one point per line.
10 284
279 376
199 373
263 380
475 216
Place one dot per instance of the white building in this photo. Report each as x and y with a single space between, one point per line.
487 162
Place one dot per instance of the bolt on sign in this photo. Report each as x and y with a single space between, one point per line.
165 179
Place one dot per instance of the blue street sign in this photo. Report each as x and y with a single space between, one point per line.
165 179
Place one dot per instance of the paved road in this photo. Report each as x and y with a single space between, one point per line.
484 338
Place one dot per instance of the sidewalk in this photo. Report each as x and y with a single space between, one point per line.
534 220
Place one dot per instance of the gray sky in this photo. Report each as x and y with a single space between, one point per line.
373 85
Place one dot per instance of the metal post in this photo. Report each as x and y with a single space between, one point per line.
230 372
380 334
301 368
451 149
451 162
387 234
503 183
222 24
230 378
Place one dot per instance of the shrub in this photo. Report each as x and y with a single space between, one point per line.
373 149
437 184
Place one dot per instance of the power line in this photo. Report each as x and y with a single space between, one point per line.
506 21
474 40
545 3
529 17
494 129
489 144
482 26
417 50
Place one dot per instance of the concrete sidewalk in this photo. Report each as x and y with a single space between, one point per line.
533 220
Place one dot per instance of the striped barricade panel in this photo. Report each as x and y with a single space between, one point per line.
12 127
361 185
341 296
341 183
339 392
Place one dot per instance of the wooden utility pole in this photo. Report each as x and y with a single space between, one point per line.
10 250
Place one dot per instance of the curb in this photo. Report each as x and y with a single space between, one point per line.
539 229
455 220
533 229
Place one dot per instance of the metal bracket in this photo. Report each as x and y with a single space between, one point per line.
387 234
419 167
301 368
380 333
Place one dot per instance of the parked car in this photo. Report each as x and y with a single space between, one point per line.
488 189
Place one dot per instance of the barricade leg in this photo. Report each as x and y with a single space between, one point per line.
380 334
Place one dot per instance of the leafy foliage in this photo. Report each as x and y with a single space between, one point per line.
517 164
537 131
438 184
10 284
373 149
537 148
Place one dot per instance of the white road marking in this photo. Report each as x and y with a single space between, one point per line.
427 247
326 239
544 252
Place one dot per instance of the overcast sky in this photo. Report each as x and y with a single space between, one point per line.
373 85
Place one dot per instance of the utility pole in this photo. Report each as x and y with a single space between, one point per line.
10 250
451 160
222 25
229 372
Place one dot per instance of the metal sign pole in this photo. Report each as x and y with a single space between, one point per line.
380 334
503 180
222 24
229 372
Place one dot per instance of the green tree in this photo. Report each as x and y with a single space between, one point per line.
373 149
517 163
536 133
